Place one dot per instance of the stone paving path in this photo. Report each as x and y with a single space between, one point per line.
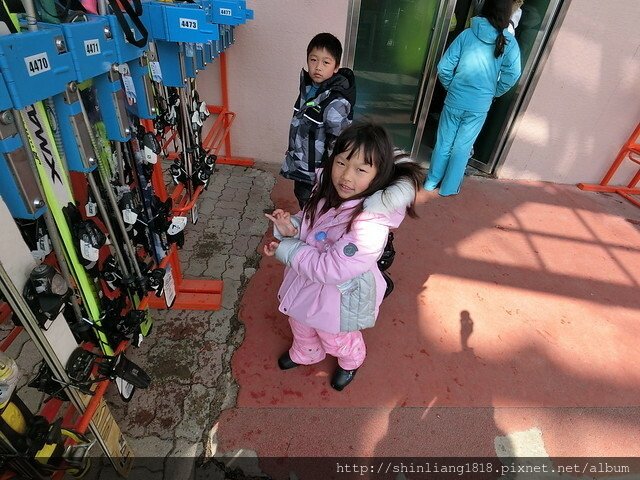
188 353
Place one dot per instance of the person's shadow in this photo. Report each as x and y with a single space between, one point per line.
446 426
466 329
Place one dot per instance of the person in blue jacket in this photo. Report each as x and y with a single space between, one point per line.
482 63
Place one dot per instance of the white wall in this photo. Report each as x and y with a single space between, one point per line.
264 67
14 254
587 100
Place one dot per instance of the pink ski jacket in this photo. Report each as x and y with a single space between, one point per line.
335 285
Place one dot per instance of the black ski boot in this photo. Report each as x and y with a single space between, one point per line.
341 378
285 362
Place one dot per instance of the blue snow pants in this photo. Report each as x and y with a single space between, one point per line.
457 132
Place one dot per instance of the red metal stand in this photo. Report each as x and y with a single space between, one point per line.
220 132
630 150
5 314
191 294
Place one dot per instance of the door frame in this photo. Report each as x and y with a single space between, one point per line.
429 73
526 87
524 90
353 20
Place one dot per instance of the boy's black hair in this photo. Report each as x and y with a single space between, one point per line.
377 148
498 13
328 42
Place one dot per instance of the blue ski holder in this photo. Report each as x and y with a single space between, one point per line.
136 58
125 51
94 52
35 65
144 106
113 105
135 76
229 12
190 62
201 58
171 25
79 152
109 91
18 185
92 46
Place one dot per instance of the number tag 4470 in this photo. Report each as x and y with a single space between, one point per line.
189 23
37 64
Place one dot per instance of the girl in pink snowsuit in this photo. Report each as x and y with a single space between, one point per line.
332 286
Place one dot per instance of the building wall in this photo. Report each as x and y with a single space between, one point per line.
584 106
264 67
587 100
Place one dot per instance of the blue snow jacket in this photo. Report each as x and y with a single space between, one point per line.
470 72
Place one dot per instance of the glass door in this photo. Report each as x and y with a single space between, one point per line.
531 33
393 46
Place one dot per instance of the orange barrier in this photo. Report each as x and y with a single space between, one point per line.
220 132
631 151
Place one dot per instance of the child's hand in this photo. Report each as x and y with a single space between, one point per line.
282 221
270 248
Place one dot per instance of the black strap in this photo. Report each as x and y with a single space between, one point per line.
134 15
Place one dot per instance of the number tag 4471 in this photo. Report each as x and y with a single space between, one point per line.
91 47
37 64
189 23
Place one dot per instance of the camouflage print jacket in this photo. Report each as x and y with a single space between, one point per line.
317 122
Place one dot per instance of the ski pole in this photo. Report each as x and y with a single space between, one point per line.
72 89
21 309
114 206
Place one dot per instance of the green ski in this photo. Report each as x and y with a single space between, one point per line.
57 191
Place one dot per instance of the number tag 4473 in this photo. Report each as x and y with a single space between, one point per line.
37 64
189 23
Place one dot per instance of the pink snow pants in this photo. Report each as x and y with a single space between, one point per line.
311 345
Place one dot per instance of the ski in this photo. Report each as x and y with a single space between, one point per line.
54 345
58 196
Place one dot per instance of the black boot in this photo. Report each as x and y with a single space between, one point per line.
341 378
390 284
285 362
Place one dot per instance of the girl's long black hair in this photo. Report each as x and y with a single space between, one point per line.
498 13
375 144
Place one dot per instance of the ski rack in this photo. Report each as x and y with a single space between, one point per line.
71 419
190 294
630 150
220 132
51 53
